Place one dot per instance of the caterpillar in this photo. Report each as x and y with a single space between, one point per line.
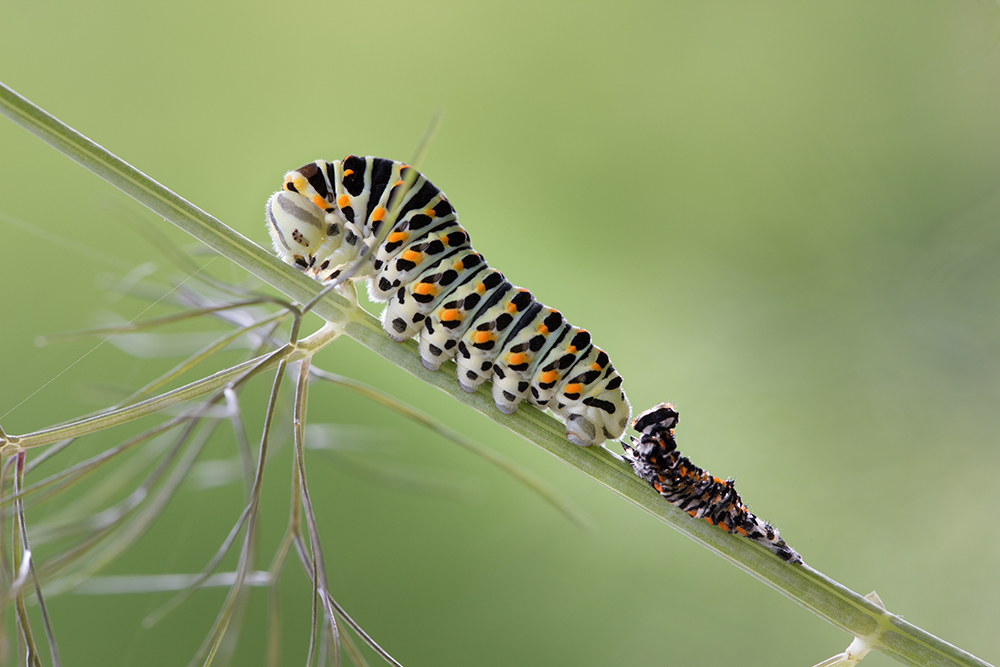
328 214
654 458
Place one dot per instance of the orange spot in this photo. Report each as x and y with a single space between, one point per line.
481 288
516 359
511 308
414 257
429 212
483 336
343 201
348 172
571 349
574 388
658 487
458 266
542 329
425 288
549 376
319 201
397 183
693 513
595 367
717 480
724 526
447 315
397 237
709 520
741 531
378 214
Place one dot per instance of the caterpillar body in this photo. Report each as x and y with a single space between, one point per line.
654 458
327 214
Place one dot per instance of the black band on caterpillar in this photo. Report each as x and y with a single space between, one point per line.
438 286
654 458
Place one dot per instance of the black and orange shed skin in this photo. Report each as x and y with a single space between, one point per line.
654 458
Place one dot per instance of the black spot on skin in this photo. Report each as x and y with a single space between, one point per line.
534 393
504 321
399 324
404 265
581 340
449 276
434 248
463 350
325 265
333 229
448 344
509 396
493 280
456 239
434 349
486 366
419 221
418 317
291 188
522 300
442 208
522 387
384 284
377 264
451 324
301 261
348 213
471 301
354 183
498 372
472 375
614 384
350 237
472 260
536 343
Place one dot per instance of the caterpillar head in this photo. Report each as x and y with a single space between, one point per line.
307 236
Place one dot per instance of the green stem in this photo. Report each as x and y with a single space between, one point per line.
811 589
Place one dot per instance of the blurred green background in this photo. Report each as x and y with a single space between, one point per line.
782 217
